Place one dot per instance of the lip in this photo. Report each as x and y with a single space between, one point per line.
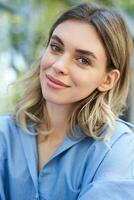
55 83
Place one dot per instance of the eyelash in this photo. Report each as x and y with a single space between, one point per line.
86 61
57 49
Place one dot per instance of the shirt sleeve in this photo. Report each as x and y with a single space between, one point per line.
114 177
2 168
108 190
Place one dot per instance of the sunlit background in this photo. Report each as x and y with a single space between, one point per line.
24 26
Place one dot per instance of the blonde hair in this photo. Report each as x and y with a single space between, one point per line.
99 109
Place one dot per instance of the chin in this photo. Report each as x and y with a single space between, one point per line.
54 100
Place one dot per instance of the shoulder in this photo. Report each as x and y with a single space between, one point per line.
9 129
10 134
4 119
7 123
119 159
122 129
123 126
121 144
122 135
121 140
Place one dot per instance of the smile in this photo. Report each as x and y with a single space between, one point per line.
55 83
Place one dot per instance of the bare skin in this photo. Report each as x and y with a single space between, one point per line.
71 69
45 150
47 145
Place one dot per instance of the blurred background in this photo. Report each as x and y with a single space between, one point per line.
24 27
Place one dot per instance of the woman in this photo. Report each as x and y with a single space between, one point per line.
65 140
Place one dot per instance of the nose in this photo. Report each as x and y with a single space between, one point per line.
61 64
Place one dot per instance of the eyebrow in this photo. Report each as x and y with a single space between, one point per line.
55 37
84 52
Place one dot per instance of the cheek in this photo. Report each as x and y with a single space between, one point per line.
86 80
46 61
80 79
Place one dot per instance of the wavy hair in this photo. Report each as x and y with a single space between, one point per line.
99 109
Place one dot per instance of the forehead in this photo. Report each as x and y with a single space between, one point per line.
75 30
79 35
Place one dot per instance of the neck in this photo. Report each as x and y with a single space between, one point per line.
59 117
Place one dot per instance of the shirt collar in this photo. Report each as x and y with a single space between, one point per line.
31 153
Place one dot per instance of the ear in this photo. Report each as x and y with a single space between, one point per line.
109 80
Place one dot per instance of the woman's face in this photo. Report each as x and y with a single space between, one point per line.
74 63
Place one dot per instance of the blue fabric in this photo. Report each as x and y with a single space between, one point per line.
78 170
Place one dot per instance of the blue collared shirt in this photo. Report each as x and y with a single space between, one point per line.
78 170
